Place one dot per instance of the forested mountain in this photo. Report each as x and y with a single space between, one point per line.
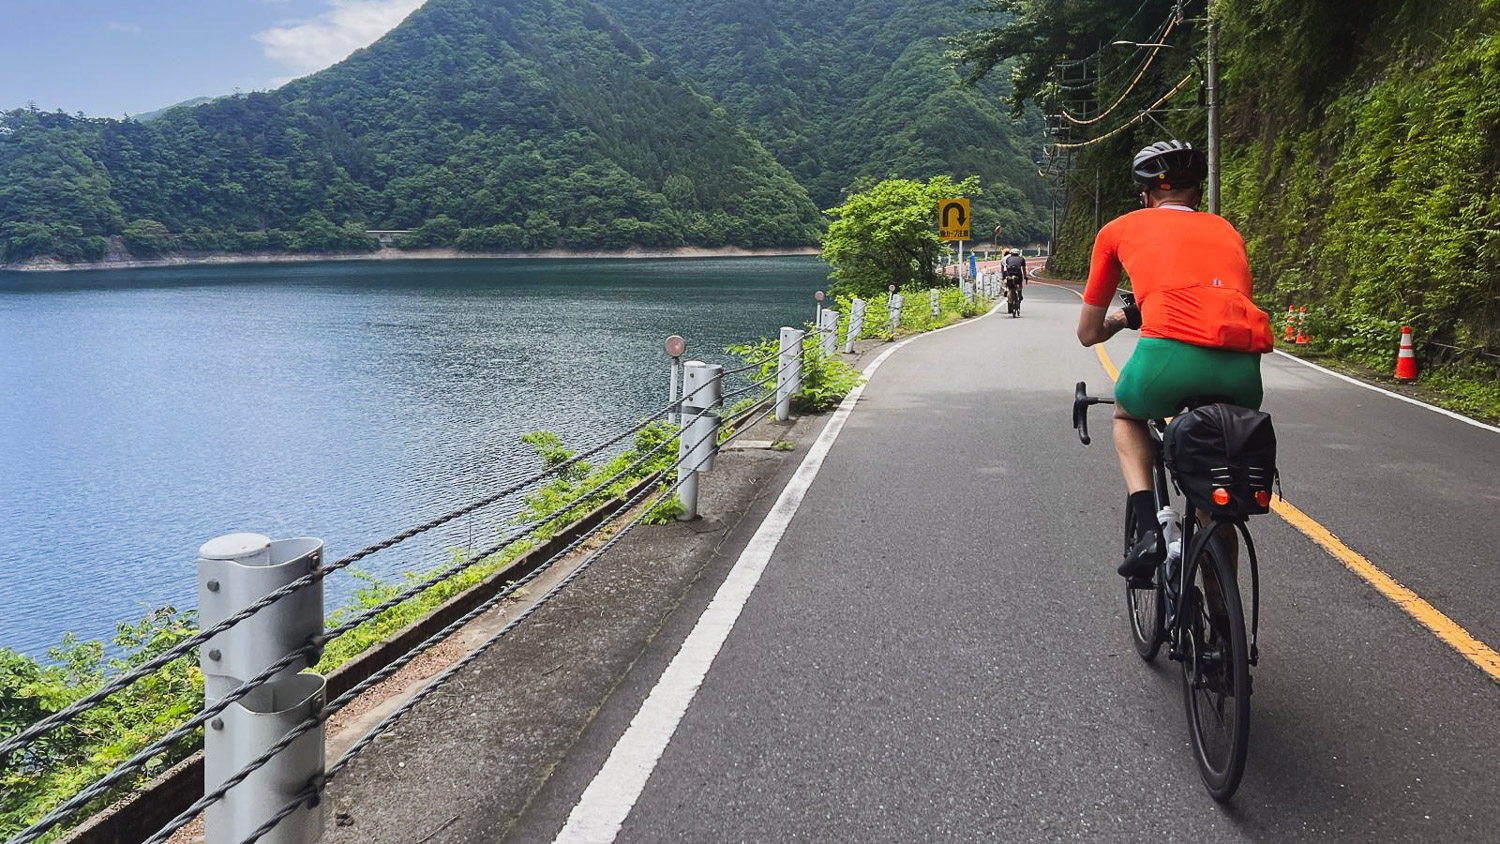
489 124
859 89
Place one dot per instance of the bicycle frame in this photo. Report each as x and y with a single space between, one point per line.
1194 536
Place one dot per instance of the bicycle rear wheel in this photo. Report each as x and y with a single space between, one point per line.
1216 670
1145 608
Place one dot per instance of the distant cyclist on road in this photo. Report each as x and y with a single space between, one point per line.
1013 270
1201 335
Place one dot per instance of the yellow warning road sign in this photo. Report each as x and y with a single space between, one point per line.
953 219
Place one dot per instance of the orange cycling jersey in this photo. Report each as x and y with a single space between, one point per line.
1190 276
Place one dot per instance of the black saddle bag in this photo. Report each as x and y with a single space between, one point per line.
1223 459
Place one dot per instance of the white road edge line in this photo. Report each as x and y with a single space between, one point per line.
1408 399
1355 381
609 798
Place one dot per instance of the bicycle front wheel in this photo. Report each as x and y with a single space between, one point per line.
1216 670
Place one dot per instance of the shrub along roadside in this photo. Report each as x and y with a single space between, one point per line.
826 380
61 764
916 311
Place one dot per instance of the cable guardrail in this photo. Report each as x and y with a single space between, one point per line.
343 700
434 685
698 437
46 725
751 365
138 761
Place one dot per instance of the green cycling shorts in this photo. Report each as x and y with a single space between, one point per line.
1163 373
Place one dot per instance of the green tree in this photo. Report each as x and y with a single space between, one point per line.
441 230
887 234
146 238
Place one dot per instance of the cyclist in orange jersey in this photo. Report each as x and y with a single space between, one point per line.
1201 334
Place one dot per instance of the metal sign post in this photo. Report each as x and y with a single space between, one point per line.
675 346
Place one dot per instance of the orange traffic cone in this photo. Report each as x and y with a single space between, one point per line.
1406 359
1291 319
1301 333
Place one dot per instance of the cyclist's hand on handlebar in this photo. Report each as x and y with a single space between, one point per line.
1132 315
1118 321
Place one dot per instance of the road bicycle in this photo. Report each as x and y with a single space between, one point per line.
1192 605
1012 298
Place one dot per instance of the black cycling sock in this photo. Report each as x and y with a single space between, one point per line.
1143 505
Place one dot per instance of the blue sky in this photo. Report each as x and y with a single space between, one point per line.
108 58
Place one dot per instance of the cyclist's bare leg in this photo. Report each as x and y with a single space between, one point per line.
1136 451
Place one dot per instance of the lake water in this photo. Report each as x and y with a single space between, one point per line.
143 412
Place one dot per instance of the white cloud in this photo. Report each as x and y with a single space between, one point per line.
124 27
308 45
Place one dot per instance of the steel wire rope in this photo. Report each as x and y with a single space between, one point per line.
738 431
676 404
515 536
129 766
761 383
45 725
141 758
753 364
1134 120
1067 115
390 720
343 700
307 794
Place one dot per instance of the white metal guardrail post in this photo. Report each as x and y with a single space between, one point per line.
235 571
896 302
702 386
788 353
856 324
829 327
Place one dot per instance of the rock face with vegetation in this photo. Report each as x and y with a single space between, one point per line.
505 125
1361 149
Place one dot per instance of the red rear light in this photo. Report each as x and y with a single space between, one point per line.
1262 498
1221 496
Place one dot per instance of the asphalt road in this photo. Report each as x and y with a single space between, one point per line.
937 650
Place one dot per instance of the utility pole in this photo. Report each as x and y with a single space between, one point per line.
1212 83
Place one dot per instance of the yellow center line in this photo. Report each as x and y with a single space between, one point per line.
1430 617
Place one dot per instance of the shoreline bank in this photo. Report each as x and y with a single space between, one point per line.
390 254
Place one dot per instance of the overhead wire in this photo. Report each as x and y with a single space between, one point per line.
1133 121
1128 90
